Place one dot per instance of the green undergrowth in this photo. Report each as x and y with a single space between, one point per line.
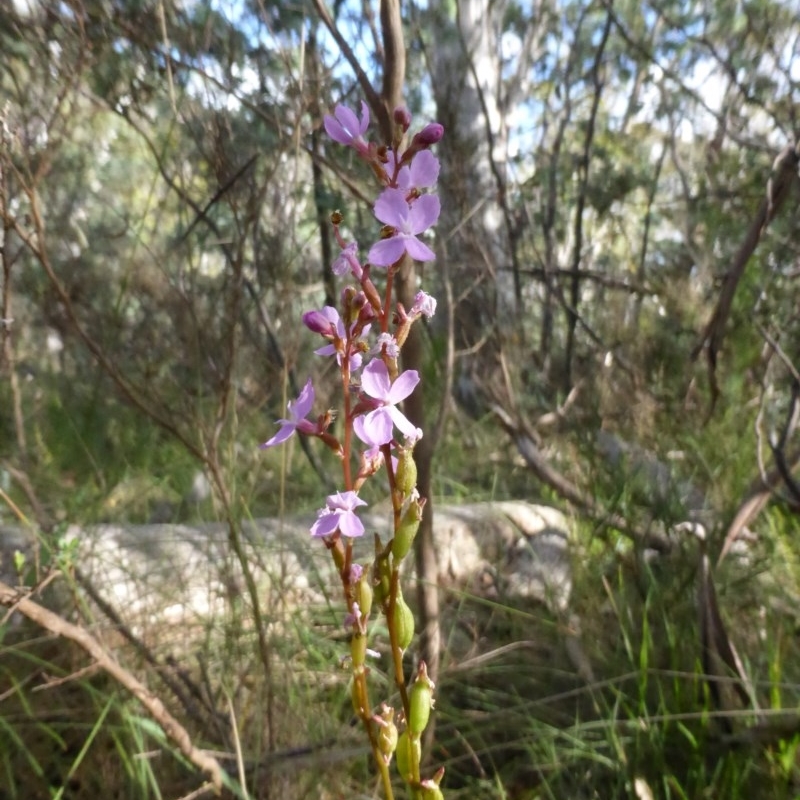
518 716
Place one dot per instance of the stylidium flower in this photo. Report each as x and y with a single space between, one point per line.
339 515
424 306
328 322
298 411
344 127
421 174
409 221
375 428
347 261
387 341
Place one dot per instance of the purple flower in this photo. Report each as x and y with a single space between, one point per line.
339 515
344 127
386 340
424 305
375 428
392 209
347 261
421 174
329 323
298 411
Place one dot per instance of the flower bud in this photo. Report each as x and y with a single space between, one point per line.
403 622
405 534
420 701
406 475
431 134
402 117
317 322
408 755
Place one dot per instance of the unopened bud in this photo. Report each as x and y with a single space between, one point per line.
431 134
408 755
402 117
317 322
420 701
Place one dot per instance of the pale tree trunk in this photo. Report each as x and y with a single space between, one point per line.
465 51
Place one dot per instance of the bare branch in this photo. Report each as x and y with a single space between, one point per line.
13 598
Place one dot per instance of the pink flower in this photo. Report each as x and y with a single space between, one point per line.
339 515
347 261
329 323
375 428
408 221
344 127
422 173
424 305
298 411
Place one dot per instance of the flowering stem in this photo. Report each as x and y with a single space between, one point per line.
387 302
361 700
348 425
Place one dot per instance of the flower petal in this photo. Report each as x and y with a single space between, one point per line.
424 170
298 409
418 250
287 429
391 207
375 428
350 525
403 386
387 252
375 380
402 422
326 525
424 213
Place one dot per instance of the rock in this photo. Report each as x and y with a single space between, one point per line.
184 577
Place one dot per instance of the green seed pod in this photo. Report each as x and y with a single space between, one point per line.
406 475
420 701
364 594
387 739
358 649
381 572
430 791
409 525
403 622
408 756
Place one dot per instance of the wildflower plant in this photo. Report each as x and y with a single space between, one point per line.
366 336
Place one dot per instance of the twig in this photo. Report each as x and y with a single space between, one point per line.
9 596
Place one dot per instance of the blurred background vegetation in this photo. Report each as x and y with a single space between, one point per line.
618 265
